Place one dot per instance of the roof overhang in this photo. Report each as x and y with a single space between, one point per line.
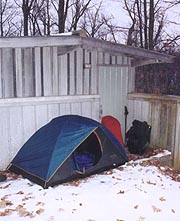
138 56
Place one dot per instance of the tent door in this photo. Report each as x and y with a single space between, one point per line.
88 153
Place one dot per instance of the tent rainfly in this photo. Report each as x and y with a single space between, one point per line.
67 148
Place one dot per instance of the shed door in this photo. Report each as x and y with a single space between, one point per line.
113 89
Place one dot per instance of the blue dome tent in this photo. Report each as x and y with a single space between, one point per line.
67 148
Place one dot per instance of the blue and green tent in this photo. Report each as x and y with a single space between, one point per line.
68 147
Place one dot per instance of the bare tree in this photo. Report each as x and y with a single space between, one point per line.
26 9
61 7
92 21
69 13
78 9
172 2
37 17
149 25
99 25
131 37
1 19
43 17
145 25
62 14
47 18
7 15
147 22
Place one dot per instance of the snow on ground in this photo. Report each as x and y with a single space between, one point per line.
132 192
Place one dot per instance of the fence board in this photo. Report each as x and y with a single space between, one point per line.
163 122
53 111
102 87
131 80
130 116
29 121
41 115
63 75
106 93
138 109
72 73
28 77
114 92
7 73
76 108
113 59
38 79
87 109
100 58
123 88
86 74
172 118
79 71
1 88
177 140
55 79
47 71
106 58
4 137
15 129
119 59
145 111
94 73
19 70
65 108
96 110
124 60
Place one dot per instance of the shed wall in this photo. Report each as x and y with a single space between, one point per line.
45 71
40 83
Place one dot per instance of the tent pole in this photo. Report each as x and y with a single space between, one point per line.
125 114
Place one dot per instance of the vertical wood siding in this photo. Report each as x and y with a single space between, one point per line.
177 139
20 118
114 85
40 83
43 71
163 115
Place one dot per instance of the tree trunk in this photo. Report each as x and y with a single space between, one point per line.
77 15
151 25
140 23
26 8
48 19
26 24
61 19
1 19
145 25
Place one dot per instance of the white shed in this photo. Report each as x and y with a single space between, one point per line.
44 77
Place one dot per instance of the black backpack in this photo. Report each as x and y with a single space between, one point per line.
2 178
138 137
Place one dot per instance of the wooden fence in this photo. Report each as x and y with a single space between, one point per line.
21 117
162 113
